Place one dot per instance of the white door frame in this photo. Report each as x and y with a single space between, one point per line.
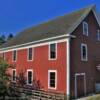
76 75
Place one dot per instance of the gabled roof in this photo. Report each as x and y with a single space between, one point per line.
60 26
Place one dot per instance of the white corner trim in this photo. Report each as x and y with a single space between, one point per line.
68 66
27 76
28 54
38 42
55 51
85 45
12 75
55 71
34 45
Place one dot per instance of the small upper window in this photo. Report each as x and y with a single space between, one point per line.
52 52
85 28
14 55
98 35
84 54
30 53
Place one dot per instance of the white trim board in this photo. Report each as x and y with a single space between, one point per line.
42 41
34 45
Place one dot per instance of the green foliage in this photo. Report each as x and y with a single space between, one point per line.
10 36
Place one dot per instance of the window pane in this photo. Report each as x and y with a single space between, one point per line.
29 77
30 54
14 75
52 79
52 51
14 55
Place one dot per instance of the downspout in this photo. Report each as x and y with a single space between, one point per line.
68 67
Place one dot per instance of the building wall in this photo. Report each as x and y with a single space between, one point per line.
88 67
41 64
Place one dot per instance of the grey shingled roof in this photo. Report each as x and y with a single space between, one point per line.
59 26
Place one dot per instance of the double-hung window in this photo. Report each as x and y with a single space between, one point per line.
14 75
84 52
52 79
85 28
53 51
29 77
98 35
30 54
14 55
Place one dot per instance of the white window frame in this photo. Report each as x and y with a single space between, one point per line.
28 70
82 44
13 56
55 50
98 35
28 54
15 75
49 71
84 33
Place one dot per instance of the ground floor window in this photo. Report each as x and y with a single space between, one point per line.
52 79
14 75
29 77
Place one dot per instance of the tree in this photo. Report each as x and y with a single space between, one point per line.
3 78
2 39
10 36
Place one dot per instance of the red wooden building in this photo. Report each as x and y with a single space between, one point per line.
62 53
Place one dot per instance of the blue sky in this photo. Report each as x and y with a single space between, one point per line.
16 15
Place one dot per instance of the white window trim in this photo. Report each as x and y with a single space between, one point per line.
13 56
28 54
55 51
82 59
27 76
87 28
15 75
55 79
98 35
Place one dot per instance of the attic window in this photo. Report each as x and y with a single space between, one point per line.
85 28
98 35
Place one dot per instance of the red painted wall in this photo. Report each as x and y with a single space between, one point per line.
41 64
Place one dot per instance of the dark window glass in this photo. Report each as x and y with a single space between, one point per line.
52 79
30 54
14 75
52 51
84 52
29 77
85 28
14 55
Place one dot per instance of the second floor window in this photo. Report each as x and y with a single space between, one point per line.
52 51
98 35
14 55
84 54
85 28
30 53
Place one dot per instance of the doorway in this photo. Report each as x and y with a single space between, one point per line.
80 84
